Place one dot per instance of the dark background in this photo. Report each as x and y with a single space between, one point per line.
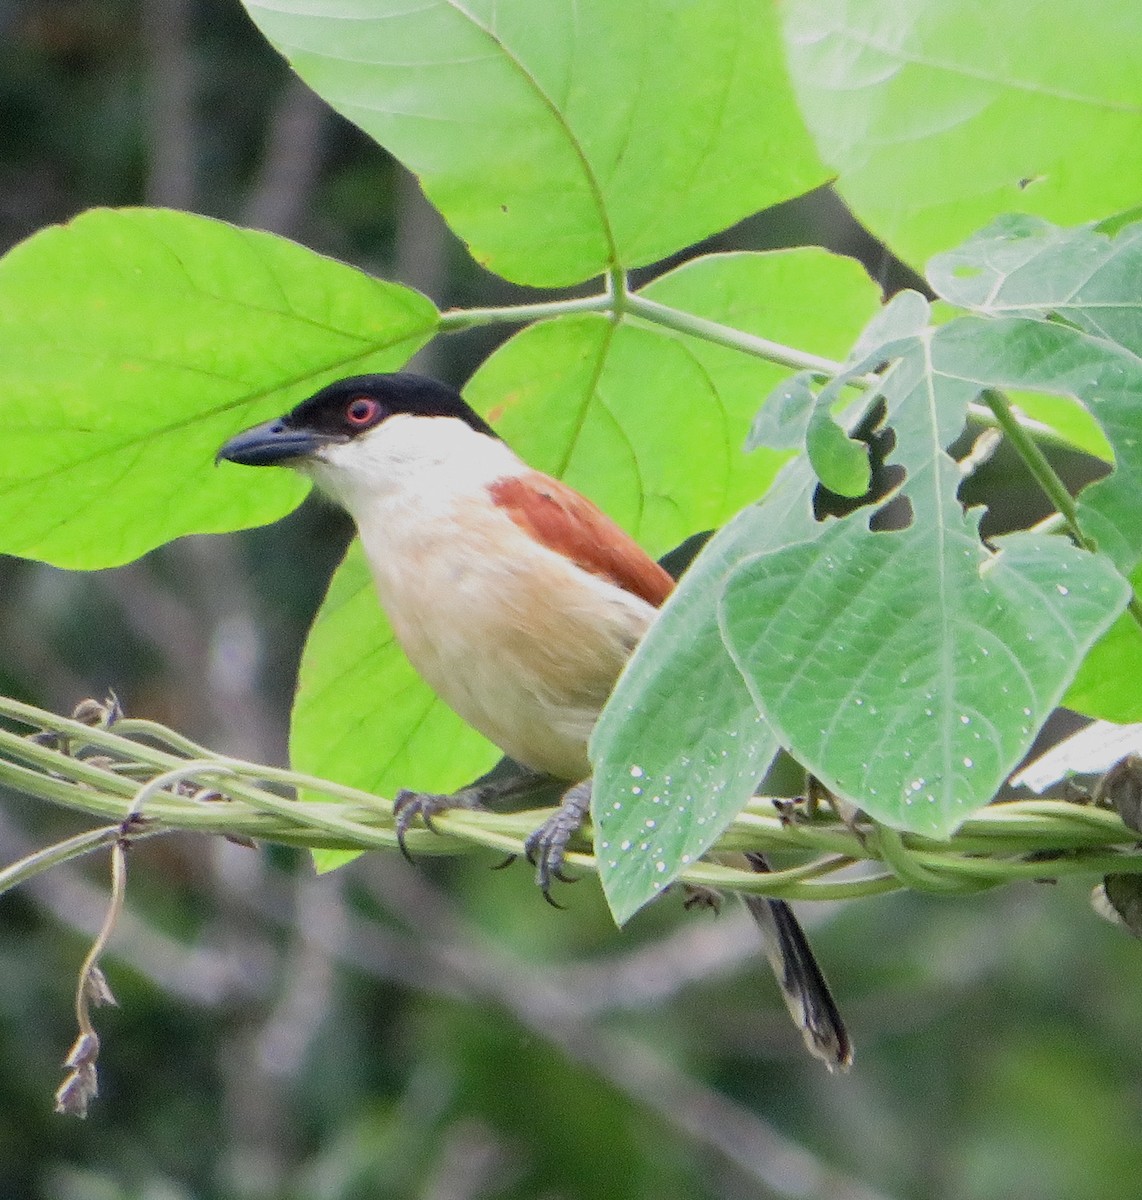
440 1032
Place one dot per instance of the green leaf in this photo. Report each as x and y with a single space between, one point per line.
911 674
794 416
562 140
682 715
624 414
362 716
1109 683
1023 354
840 462
134 343
650 423
1023 266
938 116
1117 221
906 315
804 297
911 669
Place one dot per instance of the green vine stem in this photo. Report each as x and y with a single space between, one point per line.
1038 465
618 301
1046 477
723 335
156 781
43 860
457 320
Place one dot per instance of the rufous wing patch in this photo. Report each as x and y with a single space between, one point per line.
559 518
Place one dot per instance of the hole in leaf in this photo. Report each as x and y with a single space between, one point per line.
966 271
896 514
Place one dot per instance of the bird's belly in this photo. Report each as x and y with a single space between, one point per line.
510 707
527 656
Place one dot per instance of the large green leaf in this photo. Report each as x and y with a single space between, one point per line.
1023 266
1109 382
134 342
362 716
681 747
806 298
940 114
911 669
611 409
563 138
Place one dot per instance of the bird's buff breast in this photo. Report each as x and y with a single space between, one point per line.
521 643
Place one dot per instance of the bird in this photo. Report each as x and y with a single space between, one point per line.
516 599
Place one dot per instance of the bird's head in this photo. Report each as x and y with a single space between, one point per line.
368 432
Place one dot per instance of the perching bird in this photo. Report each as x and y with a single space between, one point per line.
515 598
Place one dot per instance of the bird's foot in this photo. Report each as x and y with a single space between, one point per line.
409 805
547 846
506 781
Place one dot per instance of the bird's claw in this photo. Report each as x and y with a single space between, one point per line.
547 846
408 805
545 850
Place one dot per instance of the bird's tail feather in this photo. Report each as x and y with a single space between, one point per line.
802 984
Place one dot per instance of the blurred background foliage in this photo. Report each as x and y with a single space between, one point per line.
440 1032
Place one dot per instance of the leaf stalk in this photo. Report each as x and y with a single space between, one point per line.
1047 478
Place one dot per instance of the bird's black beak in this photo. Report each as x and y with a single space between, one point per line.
271 444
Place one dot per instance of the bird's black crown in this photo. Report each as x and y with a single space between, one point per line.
351 406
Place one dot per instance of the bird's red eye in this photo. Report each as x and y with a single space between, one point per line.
362 410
